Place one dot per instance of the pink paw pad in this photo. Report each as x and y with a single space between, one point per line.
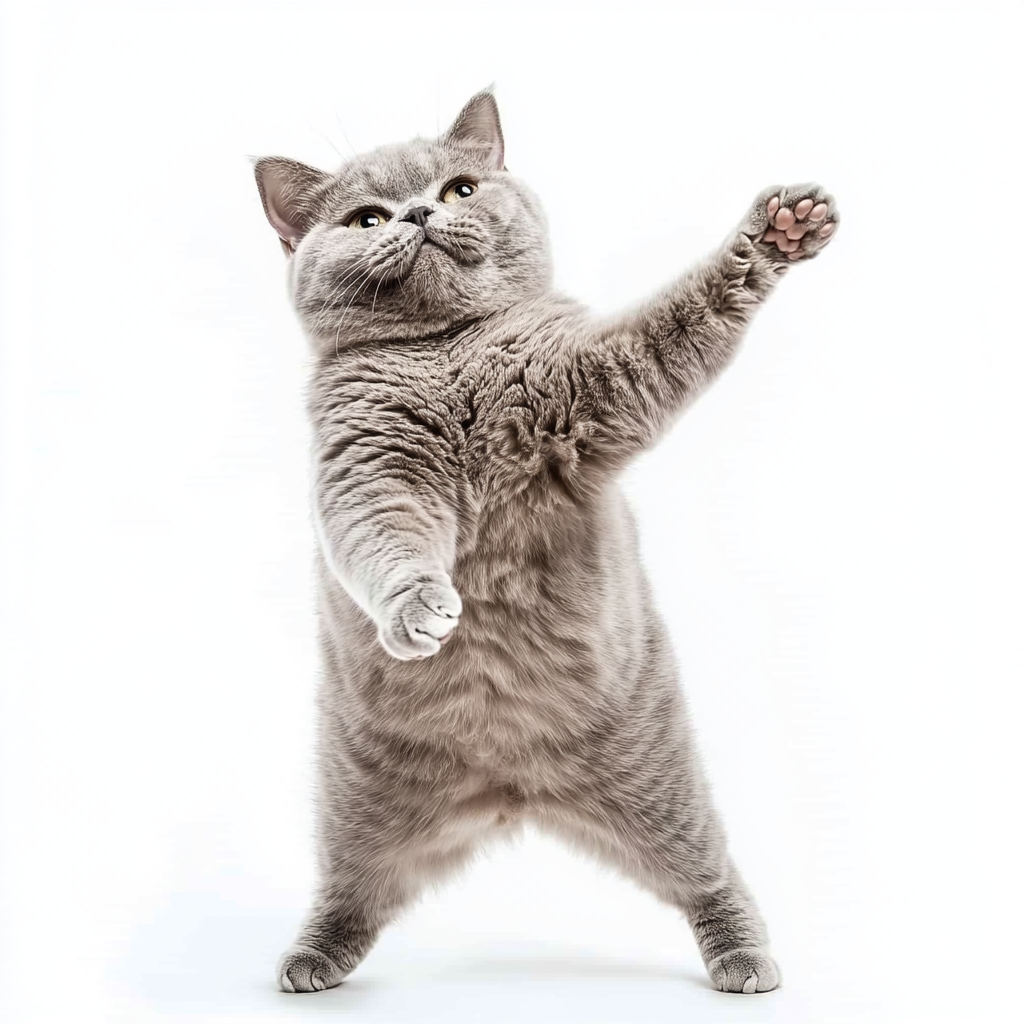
790 224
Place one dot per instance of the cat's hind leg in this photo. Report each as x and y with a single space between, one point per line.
653 820
351 908
731 935
348 913
377 853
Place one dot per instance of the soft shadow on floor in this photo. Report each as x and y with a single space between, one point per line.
190 961
560 962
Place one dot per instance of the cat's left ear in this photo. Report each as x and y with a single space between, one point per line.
290 192
479 128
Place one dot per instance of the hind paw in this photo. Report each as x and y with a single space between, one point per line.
303 969
744 970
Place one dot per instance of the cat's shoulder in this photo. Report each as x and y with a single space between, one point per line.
541 314
523 333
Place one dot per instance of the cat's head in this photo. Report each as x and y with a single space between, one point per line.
410 239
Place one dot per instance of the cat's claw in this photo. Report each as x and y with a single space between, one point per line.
795 221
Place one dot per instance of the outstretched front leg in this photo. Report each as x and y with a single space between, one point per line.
641 369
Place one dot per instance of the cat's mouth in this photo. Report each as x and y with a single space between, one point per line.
427 244
462 246
431 256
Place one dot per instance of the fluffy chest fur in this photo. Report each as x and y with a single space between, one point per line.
545 556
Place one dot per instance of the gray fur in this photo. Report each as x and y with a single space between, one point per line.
470 426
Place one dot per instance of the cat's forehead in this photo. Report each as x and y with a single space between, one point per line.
397 172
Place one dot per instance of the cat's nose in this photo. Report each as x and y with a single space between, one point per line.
418 215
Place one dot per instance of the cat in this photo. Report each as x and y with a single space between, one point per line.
491 650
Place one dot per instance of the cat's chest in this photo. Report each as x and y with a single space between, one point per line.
519 438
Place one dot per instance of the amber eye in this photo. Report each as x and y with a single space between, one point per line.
368 219
459 190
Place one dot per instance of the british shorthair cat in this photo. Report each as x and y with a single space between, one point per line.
492 653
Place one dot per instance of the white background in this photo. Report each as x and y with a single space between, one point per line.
834 530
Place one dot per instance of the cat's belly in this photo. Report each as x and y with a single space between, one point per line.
511 717
519 709
555 643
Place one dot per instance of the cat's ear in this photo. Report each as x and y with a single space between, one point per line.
289 191
479 128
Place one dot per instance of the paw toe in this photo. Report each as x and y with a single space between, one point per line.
744 970
306 970
796 221
784 219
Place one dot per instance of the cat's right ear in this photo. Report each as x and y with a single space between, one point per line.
290 192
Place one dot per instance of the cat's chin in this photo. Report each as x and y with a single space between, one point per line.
433 267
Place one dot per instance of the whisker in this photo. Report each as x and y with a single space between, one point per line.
324 134
341 126
355 289
353 272
373 305
355 295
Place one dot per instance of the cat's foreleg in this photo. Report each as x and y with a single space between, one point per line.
384 508
640 369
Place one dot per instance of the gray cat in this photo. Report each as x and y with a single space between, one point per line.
492 653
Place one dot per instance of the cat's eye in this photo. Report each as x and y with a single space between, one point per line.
458 190
368 219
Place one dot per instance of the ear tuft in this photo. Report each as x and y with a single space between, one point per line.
290 192
479 127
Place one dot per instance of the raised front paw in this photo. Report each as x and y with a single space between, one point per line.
419 618
795 221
